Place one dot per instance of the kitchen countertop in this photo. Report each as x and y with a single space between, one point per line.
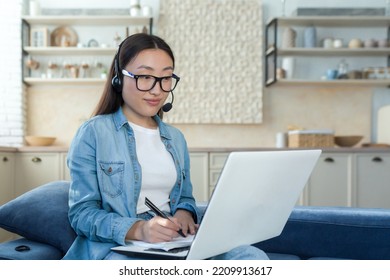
64 149
38 149
327 150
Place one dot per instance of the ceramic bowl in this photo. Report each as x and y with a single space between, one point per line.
347 141
39 140
355 43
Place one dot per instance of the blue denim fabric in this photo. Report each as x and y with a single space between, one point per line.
106 182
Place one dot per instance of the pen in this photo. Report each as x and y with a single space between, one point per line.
160 213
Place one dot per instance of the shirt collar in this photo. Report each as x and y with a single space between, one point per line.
121 120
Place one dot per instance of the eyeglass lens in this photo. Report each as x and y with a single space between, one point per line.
148 82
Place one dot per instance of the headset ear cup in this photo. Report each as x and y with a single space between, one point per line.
116 84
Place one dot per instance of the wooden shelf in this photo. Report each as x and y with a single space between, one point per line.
64 81
69 51
335 21
87 20
359 83
334 52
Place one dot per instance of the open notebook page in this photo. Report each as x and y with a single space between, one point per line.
177 242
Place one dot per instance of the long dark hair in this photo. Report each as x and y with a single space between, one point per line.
111 100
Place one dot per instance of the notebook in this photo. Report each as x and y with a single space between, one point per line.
251 202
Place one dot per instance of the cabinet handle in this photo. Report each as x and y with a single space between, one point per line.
5 159
36 159
328 159
377 159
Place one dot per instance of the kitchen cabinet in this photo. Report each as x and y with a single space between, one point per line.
372 180
314 59
217 161
7 165
330 182
88 46
328 185
199 175
65 173
35 169
357 179
343 179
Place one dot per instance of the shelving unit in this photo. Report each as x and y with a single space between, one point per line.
273 51
96 22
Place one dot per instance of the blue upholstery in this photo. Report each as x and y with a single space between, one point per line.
24 249
41 217
334 232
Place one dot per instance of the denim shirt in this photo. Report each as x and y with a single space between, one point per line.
106 182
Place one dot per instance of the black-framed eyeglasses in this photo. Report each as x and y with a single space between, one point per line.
147 82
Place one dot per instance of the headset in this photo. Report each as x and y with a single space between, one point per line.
116 81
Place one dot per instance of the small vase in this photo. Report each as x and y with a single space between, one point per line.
288 64
135 8
289 37
310 37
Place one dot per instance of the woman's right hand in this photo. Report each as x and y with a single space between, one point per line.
154 230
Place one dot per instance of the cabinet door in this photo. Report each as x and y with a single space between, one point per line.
7 163
34 169
330 182
65 173
217 161
199 175
372 180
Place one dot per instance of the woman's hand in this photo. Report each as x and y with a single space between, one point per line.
186 221
154 230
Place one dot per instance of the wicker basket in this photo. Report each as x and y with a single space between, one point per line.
310 139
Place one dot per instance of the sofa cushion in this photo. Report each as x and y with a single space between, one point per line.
24 249
41 215
334 233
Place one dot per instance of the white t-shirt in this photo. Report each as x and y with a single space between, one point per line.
158 169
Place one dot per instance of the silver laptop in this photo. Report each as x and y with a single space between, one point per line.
252 200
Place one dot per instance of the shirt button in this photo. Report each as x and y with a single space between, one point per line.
173 200
109 169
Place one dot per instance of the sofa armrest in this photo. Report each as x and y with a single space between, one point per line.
334 232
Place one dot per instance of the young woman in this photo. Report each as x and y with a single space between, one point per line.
126 153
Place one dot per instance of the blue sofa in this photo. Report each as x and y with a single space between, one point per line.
40 218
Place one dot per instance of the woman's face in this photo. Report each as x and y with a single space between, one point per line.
140 106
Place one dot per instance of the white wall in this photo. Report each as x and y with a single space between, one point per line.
12 102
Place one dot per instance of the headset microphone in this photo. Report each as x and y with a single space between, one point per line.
168 106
